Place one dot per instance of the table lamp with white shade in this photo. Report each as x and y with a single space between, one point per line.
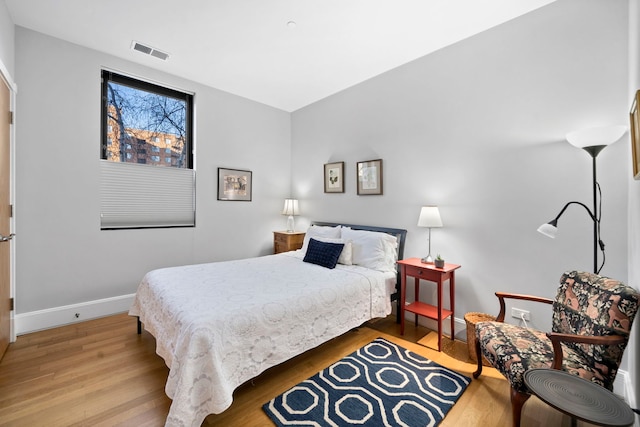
430 218
290 209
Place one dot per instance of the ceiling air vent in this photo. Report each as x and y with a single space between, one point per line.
149 50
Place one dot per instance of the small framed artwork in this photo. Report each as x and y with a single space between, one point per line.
634 116
334 177
234 184
369 175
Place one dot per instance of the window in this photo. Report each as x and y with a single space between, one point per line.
167 150
137 189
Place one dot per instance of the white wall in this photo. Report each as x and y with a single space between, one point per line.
633 351
63 257
478 129
7 39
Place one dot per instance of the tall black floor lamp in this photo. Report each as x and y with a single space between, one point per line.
593 141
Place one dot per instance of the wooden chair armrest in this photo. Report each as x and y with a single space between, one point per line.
557 338
506 295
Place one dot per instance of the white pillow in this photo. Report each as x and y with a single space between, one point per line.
372 249
346 254
317 232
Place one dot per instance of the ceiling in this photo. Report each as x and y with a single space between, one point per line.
248 47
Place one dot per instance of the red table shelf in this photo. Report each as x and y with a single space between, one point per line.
427 310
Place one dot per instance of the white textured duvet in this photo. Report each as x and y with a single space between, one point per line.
218 325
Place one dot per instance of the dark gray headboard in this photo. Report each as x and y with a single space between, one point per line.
399 233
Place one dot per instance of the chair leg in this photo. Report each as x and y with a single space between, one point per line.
477 373
517 401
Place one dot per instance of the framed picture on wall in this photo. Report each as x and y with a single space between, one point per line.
635 135
369 175
234 184
334 177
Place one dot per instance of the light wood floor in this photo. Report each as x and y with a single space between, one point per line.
101 373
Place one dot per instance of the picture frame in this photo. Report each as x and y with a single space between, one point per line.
634 117
334 177
234 184
369 175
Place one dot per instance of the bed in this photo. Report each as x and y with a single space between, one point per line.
221 324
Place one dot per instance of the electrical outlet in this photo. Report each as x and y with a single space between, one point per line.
518 314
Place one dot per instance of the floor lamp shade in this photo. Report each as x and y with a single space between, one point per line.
604 135
290 208
549 229
429 218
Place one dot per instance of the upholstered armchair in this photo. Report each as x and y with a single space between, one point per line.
592 317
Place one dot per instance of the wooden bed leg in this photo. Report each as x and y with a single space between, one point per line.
139 325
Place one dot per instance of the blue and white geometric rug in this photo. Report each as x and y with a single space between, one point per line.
381 384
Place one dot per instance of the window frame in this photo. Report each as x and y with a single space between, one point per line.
136 83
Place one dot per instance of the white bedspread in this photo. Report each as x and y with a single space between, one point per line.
218 325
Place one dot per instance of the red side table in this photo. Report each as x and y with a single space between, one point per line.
415 268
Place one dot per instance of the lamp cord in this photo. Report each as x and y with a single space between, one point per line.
524 320
600 242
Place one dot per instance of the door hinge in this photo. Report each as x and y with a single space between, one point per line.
10 211
11 304
10 117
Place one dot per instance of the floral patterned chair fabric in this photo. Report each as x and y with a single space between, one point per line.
592 317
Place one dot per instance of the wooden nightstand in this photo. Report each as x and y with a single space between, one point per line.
413 267
284 241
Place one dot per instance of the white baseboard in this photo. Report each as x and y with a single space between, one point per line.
68 314
622 387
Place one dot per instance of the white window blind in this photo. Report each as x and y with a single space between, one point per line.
135 196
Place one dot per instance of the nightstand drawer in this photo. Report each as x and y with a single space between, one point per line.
280 247
415 271
427 272
280 238
284 241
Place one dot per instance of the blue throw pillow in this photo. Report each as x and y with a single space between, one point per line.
323 253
